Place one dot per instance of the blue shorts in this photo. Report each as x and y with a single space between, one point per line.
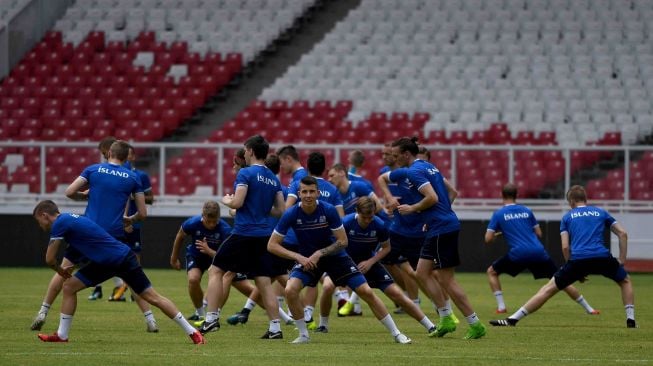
403 249
577 269
245 254
378 277
133 240
201 262
129 270
442 249
342 270
540 269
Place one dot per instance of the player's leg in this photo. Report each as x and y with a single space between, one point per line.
394 293
309 301
495 286
215 300
169 309
269 299
54 288
245 287
533 304
328 288
628 298
144 306
293 287
379 310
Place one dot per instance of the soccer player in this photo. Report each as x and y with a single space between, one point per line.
114 180
350 191
316 164
521 231
107 257
315 224
103 146
257 195
583 246
207 231
406 237
365 233
440 249
282 266
289 159
356 161
110 186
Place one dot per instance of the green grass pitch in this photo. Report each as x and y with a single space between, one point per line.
106 333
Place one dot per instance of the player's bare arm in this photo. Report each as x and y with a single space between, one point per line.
51 259
176 246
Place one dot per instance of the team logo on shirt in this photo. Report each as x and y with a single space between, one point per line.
352 269
299 221
352 232
373 233
322 219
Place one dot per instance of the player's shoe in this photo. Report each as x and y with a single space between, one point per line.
403 339
238 318
197 338
507 322
322 329
446 325
118 293
311 324
52 338
272 335
341 303
501 311
38 322
290 321
301 340
209 326
630 323
475 331
432 329
345 309
96 294
455 318
195 317
117 299
152 327
594 312
198 323
399 310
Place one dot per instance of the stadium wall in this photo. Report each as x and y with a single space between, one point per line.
25 243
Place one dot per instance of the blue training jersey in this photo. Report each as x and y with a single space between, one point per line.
194 227
110 186
362 243
262 188
314 231
585 226
89 239
328 193
517 223
439 218
354 192
147 187
410 225
357 178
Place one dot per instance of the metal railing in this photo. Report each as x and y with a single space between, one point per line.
163 151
